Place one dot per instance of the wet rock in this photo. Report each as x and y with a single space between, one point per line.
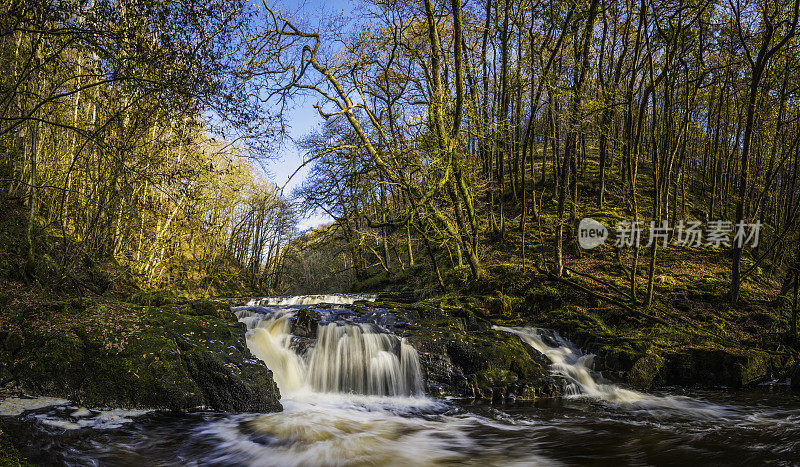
442 378
794 377
461 357
554 386
646 370
305 323
719 368
301 345
174 360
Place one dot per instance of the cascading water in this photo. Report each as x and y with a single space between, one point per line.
358 359
348 356
570 363
336 299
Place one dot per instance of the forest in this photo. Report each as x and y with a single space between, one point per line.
474 136
493 172
129 135
137 130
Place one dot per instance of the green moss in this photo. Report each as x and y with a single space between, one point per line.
207 308
177 357
495 364
543 298
155 298
645 370
9 455
757 366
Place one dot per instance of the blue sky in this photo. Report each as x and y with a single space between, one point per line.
303 117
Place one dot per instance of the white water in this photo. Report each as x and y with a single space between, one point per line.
356 359
14 406
342 429
337 299
571 364
346 358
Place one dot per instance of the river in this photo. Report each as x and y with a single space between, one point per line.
355 397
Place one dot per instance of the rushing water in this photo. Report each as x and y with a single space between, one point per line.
352 354
354 397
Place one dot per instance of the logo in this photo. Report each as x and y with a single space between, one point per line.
591 233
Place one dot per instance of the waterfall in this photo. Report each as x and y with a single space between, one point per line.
347 357
358 359
575 367
337 299
270 341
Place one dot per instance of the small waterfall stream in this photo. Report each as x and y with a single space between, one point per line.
336 299
573 365
352 354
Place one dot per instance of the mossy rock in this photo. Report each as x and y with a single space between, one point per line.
498 363
172 361
305 324
616 359
205 308
155 298
719 367
794 377
462 356
646 370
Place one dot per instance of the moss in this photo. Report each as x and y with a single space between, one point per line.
717 367
495 364
757 366
645 370
9 455
155 298
616 359
174 357
208 308
498 364
147 373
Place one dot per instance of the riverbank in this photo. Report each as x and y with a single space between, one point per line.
149 352
167 352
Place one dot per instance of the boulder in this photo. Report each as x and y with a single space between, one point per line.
182 358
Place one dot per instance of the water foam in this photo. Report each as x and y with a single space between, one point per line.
354 358
344 429
336 299
14 406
